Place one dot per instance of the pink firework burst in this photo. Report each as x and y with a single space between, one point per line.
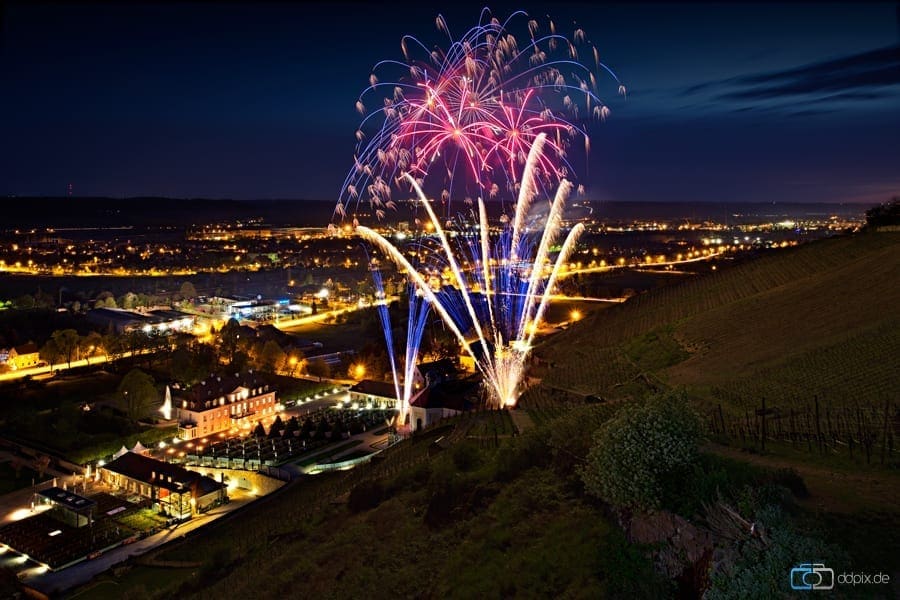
461 120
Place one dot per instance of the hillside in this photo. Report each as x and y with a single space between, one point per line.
819 320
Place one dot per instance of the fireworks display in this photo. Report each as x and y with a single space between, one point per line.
459 122
490 292
492 115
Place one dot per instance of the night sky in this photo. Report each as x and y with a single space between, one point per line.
775 103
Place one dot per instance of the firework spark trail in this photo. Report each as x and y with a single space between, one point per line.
415 327
507 333
475 108
385 319
418 280
418 315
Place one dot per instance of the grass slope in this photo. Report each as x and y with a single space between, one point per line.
821 319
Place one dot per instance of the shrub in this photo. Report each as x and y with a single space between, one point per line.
520 454
763 571
572 435
642 454
466 456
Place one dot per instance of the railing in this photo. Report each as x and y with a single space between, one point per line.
338 466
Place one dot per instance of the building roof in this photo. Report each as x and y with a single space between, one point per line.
218 386
375 388
68 499
117 315
170 315
443 368
161 474
457 394
29 348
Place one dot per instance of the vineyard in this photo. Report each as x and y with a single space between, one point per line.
817 320
544 404
818 427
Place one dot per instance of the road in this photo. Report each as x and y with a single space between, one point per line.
50 582
49 369
97 360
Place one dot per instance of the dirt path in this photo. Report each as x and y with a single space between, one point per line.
832 490
521 420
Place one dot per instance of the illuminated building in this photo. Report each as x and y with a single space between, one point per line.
153 321
20 357
172 489
221 403
376 393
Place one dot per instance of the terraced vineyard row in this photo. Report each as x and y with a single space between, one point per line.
592 370
847 374
545 404
670 304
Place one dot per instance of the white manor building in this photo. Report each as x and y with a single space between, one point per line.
223 403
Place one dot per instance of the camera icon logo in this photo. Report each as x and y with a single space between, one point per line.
812 576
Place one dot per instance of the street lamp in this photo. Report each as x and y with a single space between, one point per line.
359 371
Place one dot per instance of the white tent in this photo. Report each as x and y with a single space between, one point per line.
139 449
122 451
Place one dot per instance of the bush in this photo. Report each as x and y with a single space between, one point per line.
641 455
466 456
757 571
520 454
572 435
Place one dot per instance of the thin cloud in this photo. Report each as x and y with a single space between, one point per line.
862 77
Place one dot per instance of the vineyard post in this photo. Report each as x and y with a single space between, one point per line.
818 427
793 434
859 432
849 432
808 436
884 431
831 433
762 429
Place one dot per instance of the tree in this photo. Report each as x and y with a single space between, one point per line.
187 291
294 362
642 455
271 357
67 341
318 368
129 300
291 426
276 428
44 300
51 353
91 345
884 215
113 345
259 431
229 336
25 302
138 392
40 465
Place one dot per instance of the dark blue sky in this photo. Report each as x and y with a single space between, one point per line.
771 102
